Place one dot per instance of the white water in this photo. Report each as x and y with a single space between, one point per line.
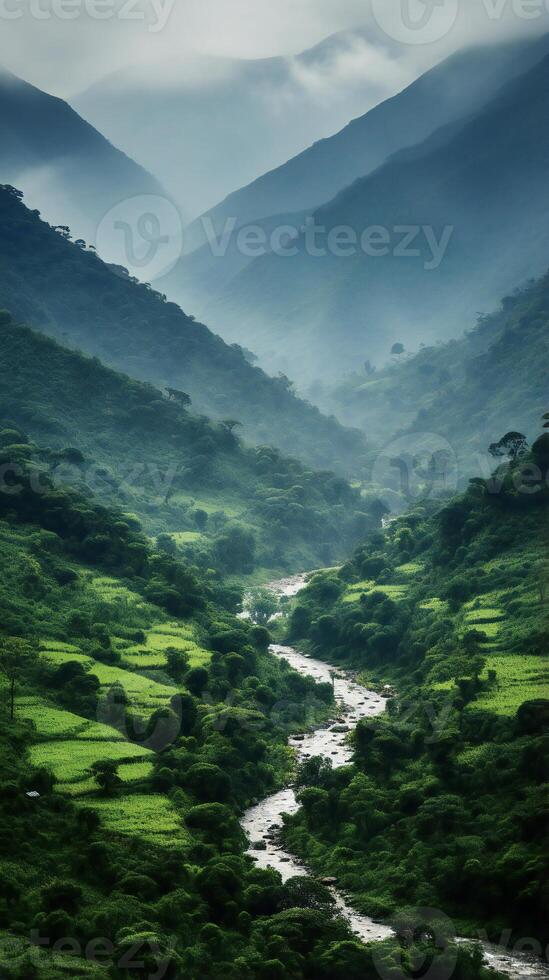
264 822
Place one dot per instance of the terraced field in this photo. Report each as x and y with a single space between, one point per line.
519 679
149 816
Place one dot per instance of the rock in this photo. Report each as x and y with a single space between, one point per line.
340 728
259 845
328 881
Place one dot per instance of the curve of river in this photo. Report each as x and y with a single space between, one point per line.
263 822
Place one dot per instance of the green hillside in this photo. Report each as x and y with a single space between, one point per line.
137 772
491 380
240 510
446 803
66 291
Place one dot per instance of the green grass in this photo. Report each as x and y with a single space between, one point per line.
151 817
519 679
434 605
152 653
70 759
187 537
143 692
409 568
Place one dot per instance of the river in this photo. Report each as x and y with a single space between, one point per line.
264 821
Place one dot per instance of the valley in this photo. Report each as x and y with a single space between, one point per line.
274 621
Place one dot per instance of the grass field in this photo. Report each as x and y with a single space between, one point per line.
519 679
149 816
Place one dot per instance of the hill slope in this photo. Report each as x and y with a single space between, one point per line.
473 203
457 87
493 379
55 286
180 119
446 804
228 507
63 165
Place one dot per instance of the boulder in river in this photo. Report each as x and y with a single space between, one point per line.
340 728
259 845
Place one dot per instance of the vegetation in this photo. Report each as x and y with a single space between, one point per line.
189 481
69 293
491 380
445 805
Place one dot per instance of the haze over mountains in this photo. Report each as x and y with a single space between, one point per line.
476 198
183 119
65 167
53 285
458 86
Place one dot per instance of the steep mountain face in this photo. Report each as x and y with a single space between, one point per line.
67 292
437 233
457 87
490 381
180 119
63 165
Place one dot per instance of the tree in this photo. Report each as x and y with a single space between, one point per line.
261 605
196 680
181 397
177 663
16 656
512 445
231 424
105 773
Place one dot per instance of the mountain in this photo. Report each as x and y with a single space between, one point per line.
225 506
63 165
452 90
489 381
182 118
66 291
448 225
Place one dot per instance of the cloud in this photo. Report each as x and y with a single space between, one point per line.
66 55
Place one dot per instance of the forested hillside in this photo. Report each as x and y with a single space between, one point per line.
493 379
139 718
239 510
446 803
66 291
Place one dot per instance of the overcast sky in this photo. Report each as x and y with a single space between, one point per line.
39 42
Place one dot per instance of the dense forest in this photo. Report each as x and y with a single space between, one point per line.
446 803
63 289
224 505
137 722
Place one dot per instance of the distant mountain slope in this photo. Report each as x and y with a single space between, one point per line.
184 118
460 85
177 472
55 286
63 165
485 187
491 381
